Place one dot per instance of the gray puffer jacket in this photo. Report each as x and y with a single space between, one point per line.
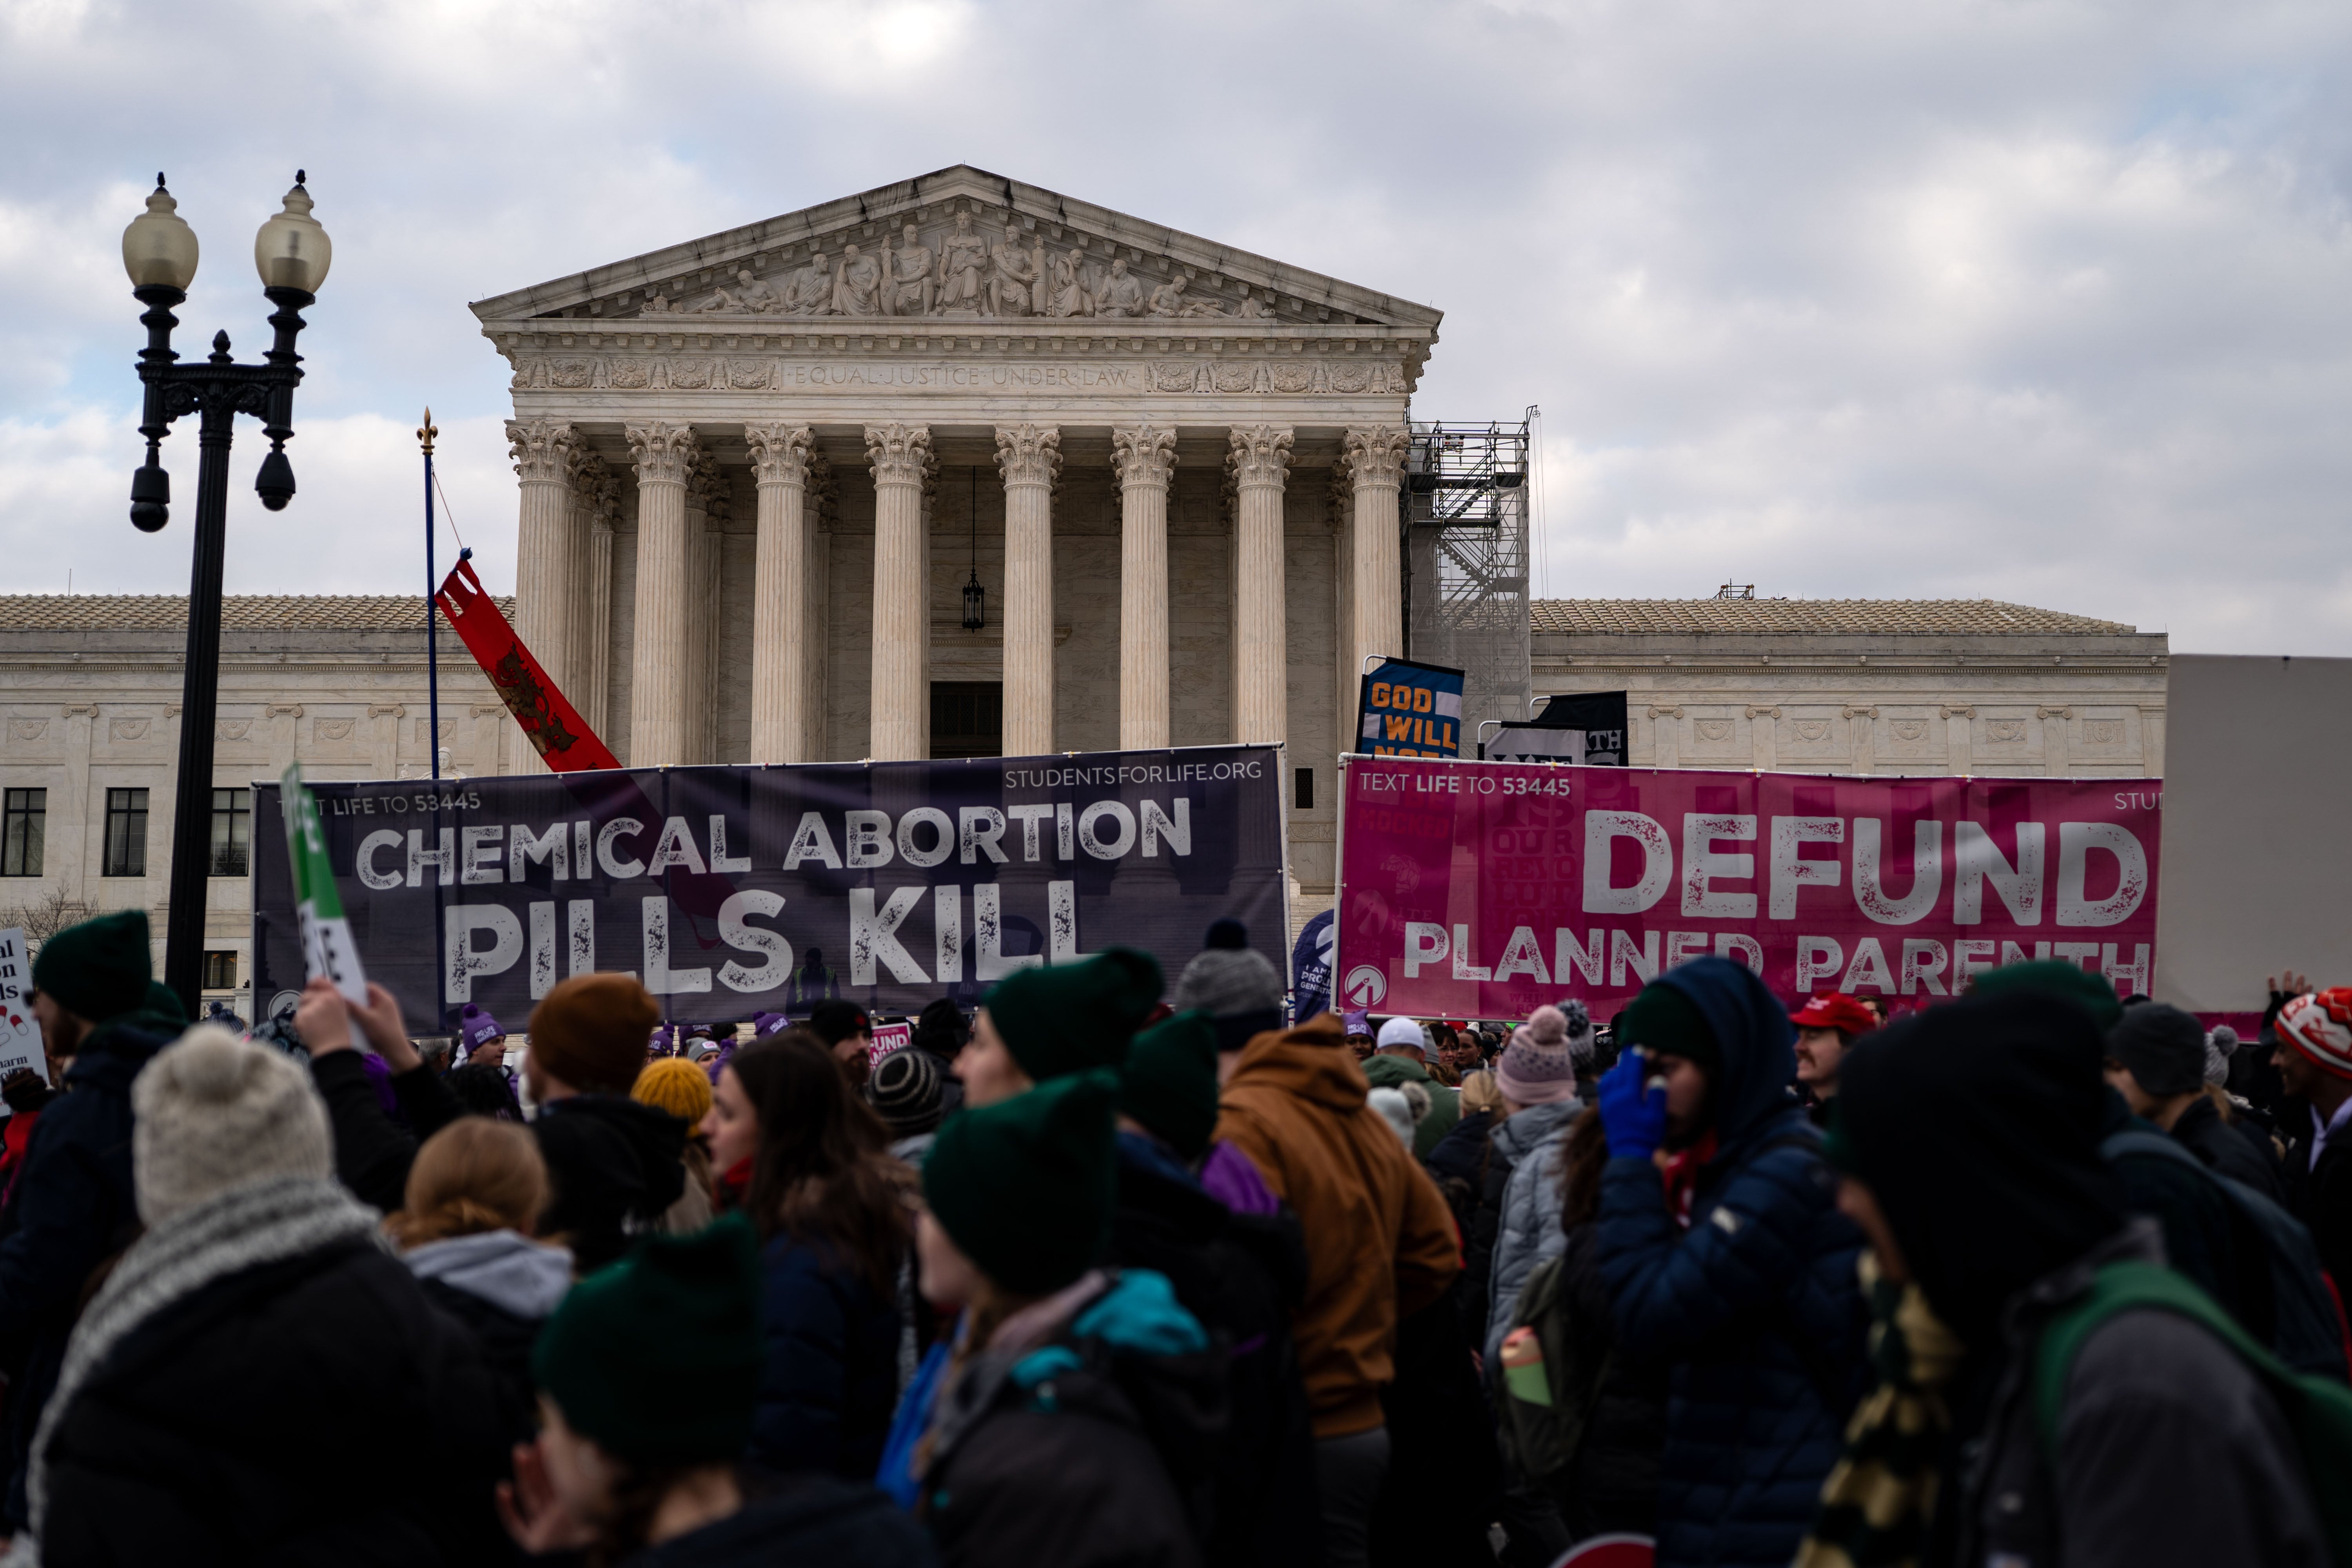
1529 1232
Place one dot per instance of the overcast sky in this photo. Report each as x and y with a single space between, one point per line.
2047 302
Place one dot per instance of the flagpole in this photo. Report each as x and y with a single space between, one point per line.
432 587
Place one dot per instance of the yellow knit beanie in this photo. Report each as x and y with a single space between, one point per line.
675 1085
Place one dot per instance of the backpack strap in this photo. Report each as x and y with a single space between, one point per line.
2125 1287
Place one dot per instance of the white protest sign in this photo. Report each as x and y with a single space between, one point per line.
20 1036
327 947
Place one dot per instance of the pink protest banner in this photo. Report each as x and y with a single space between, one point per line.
1480 890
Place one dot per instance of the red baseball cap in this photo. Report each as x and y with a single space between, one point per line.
1834 1011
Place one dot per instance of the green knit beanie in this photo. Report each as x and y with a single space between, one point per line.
1169 1083
164 1003
2095 994
1073 1017
657 1358
1665 1021
1026 1187
98 968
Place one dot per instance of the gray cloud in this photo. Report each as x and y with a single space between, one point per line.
2040 302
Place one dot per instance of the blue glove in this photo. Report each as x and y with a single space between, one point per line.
1632 1115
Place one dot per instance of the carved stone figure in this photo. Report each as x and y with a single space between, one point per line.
1251 310
1066 293
657 306
754 293
1168 299
1012 275
809 292
857 287
721 298
1121 295
963 259
910 269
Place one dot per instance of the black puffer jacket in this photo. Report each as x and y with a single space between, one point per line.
1241 1276
2237 1152
72 1210
314 1410
1611 1486
810 1519
1096 1450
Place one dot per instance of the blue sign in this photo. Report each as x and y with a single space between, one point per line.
1310 970
1411 710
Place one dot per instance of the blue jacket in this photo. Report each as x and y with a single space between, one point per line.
74 1208
1755 1308
830 1370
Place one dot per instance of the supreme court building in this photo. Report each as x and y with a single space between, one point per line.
761 470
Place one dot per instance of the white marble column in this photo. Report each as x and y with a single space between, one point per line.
546 581
1029 456
585 632
898 726
1143 458
780 594
1374 459
666 456
706 510
1343 604
1260 653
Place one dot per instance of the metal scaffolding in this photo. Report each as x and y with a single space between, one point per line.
1466 562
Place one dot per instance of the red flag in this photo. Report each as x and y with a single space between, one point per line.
551 723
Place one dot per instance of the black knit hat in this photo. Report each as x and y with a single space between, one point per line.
98 968
2163 1046
657 1358
1072 1017
1169 1083
1025 1187
905 1091
834 1021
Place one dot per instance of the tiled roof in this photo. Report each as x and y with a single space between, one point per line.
1880 617
239 612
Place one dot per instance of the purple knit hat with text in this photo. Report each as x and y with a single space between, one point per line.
1537 1068
475 1025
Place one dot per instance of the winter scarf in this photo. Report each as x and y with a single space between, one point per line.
240 1229
1878 1503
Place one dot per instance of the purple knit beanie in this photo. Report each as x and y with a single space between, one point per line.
1537 1068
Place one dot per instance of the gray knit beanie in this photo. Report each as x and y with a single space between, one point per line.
1237 987
213 1114
2219 1045
1538 1067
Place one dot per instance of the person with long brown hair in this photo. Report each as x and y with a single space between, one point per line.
476 1193
827 1202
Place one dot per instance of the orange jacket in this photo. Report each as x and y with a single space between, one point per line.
1380 1242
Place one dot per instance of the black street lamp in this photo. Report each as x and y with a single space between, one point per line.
159 251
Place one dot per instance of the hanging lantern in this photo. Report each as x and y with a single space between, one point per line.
975 609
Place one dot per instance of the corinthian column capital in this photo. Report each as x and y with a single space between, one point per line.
707 489
901 454
780 452
665 453
543 449
1375 455
1029 454
1259 454
1145 454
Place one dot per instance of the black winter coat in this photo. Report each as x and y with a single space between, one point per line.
829 1372
1241 1276
1438 1425
314 1410
614 1162
815 1520
505 1341
1610 1485
2320 1195
2236 1152
73 1209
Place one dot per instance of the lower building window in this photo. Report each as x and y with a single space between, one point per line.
126 833
220 971
24 821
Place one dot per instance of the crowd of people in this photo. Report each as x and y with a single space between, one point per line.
1122 1270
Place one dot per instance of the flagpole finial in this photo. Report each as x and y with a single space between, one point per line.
426 432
